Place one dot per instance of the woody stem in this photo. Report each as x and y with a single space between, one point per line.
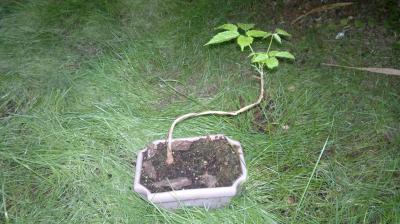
170 158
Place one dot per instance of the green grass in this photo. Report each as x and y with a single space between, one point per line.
84 85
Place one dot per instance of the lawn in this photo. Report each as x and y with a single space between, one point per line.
84 85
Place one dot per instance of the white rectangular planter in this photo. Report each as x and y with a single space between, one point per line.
202 197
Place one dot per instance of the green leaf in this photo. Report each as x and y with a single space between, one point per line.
244 41
277 37
282 32
272 53
222 37
281 54
228 26
258 33
271 62
259 57
245 26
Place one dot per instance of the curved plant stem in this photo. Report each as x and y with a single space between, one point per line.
269 45
170 158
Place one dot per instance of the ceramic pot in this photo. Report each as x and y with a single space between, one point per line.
202 197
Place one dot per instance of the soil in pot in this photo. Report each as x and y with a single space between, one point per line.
204 163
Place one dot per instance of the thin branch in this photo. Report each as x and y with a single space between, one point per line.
385 71
170 158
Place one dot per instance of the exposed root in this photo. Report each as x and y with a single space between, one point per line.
170 158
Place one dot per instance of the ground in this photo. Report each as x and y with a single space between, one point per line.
84 85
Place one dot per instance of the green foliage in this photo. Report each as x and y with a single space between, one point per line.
228 26
277 38
271 62
259 57
282 32
245 36
258 33
244 41
223 37
245 26
281 54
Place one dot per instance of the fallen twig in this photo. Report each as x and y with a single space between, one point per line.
385 71
322 8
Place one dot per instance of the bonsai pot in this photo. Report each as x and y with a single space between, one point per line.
179 194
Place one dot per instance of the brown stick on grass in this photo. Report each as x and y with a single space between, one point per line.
170 157
385 71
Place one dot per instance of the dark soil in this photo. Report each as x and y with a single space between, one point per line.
204 163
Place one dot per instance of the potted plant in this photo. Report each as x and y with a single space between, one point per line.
205 171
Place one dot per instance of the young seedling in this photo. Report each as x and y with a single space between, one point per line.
245 35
